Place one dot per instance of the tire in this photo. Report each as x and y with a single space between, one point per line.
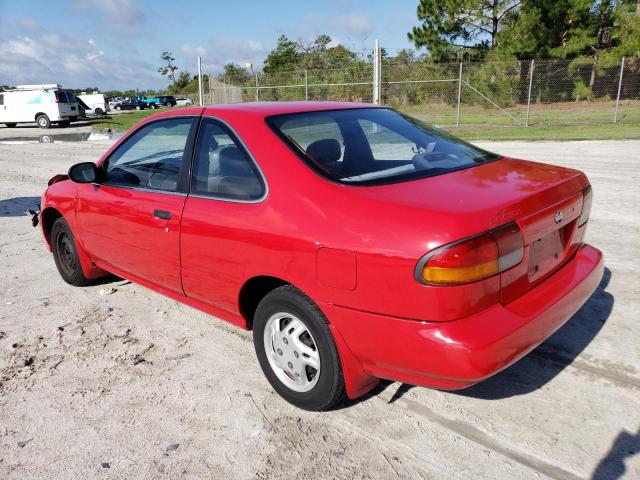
65 254
11 125
43 121
118 107
289 362
99 112
64 123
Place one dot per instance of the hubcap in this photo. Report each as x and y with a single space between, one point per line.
292 352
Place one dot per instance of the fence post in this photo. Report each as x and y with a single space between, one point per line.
210 90
306 85
459 96
531 67
200 89
376 71
257 89
615 115
379 75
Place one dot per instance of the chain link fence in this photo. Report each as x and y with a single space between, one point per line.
515 93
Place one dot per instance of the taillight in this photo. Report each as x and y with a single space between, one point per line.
587 196
56 95
472 259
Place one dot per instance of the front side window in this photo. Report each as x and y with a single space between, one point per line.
1 99
152 157
368 146
223 168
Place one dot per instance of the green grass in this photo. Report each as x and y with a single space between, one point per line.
550 132
560 121
121 121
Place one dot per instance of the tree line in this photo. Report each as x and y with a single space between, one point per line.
586 37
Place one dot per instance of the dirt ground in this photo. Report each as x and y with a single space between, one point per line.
134 385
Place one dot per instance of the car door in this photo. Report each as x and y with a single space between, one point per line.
221 218
131 219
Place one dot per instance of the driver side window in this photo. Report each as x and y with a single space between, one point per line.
152 157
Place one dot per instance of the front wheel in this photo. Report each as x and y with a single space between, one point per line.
65 254
296 350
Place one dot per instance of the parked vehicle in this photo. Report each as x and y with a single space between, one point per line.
42 104
113 101
96 103
167 100
150 102
183 102
356 242
131 104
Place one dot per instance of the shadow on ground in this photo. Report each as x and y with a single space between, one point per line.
612 467
15 207
545 362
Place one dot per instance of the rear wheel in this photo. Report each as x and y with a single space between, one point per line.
65 254
138 107
43 121
99 112
296 350
11 125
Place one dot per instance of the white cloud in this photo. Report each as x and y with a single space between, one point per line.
220 51
116 11
73 62
352 24
28 23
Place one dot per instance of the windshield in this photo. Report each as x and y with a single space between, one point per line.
374 145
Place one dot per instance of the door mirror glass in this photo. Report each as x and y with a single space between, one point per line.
85 172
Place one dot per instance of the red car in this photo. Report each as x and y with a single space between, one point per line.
356 242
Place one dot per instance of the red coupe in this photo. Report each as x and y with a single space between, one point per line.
356 242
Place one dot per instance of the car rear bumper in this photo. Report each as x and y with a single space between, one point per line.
460 353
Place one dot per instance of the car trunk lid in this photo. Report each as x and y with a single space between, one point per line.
533 195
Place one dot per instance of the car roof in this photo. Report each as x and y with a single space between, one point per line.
265 109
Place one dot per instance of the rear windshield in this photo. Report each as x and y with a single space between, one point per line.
368 146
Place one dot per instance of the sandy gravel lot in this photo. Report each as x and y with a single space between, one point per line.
134 385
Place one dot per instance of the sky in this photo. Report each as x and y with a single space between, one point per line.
116 44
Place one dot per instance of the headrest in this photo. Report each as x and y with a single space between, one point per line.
325 151
233 163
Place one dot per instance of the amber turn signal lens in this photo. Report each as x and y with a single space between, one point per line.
473 259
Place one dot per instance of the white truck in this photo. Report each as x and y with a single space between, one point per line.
42 104
96 103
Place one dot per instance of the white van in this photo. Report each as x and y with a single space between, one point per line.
96 103
43 104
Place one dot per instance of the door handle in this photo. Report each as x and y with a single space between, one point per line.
162 214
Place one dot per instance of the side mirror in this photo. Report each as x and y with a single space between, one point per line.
85 172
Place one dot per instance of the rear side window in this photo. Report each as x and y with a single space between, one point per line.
1 99
152 157
223 168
